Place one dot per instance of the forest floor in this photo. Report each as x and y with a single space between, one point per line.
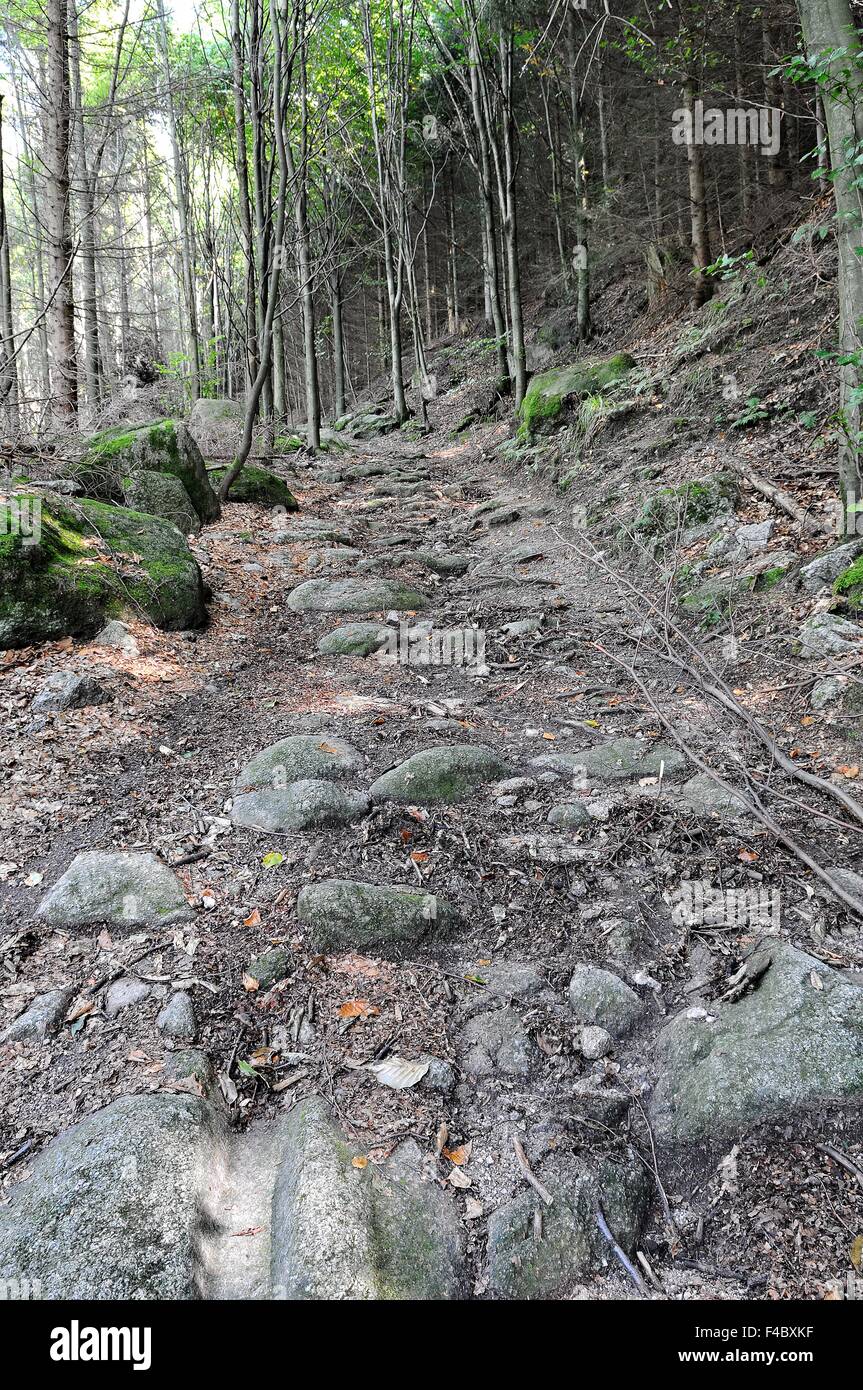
155 767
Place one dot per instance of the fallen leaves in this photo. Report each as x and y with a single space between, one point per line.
358 1008
397 1072
273 859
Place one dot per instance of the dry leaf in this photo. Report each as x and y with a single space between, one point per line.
857 1254
358 1008
398 1072
253 919
250 983
473 1209
748 856
460 1155
815 980
360 1161
457 1178
419 856
850 772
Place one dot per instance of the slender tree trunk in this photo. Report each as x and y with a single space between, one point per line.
187 261
61 311
699 229
829 24
87 222
8 365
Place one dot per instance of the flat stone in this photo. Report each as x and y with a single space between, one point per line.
113 1208
40 1019
373 1232
355 639
354 596
497 1045
124 994
522 1265
304 805
120 888
749 540
622 759
177 1019
784 1048
446 774
68 690
823 634
320 757
702 793
342 914
569 815
597 996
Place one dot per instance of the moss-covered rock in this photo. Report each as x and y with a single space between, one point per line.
163 446
440 774
344 915
550 392
258 485
91 562
689 504
162 495
849 585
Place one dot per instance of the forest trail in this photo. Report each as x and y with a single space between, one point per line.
491 765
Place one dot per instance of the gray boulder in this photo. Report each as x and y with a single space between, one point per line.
498 1045
821 572
570 815
598 997
113 1208
68 690
162 495
823 634
702 793
620 760
304 805
124 994
40 1019
354 596
271 966
527 1262
321 757
124 889
446 774
794 1042
355 639
342 914
341 1232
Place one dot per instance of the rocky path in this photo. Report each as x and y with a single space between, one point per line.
372 924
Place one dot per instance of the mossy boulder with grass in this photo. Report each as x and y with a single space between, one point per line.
87 562
550 393
258 485
849 585
163 446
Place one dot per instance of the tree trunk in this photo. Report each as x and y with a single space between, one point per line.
61 311
829 24
8 366
187 261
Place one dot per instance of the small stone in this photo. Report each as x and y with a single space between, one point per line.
595 1043
304 805
752 539
354 596
271 966
342 914
355 639
514 786
597 996
40 1019
569 816
177 1019
116 635
124 994
822 572
826 692
497 1044
440 1075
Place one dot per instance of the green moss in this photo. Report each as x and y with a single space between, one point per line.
259 485
549 392
161 446
849 585
690 504
288 444
92 561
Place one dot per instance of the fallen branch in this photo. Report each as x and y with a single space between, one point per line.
528 1174
624 1259
782 499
